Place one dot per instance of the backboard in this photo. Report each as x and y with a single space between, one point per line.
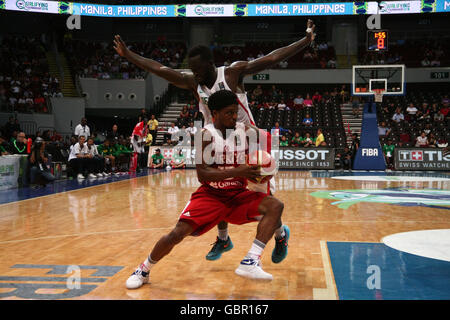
367 78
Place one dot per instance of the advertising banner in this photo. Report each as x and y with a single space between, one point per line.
32 6
9 171
209 10
301 9
84 9
304 158
421 159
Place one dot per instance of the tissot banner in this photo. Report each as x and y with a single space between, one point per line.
421 159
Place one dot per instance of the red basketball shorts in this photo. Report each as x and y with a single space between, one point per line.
207 207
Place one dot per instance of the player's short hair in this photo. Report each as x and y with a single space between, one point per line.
221 99
203 51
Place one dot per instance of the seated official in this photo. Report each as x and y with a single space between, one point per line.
97 159
345 159
19 145
37 163
178 160
4 147
81 160
157 160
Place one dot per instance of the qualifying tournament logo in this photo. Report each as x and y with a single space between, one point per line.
2 4
31 5
431 198
209 10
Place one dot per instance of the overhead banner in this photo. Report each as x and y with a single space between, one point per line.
229 10
84 9
421 159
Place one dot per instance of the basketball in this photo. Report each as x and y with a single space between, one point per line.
268 165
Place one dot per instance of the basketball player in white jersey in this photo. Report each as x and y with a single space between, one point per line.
206 79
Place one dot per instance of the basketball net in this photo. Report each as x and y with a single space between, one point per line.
378 94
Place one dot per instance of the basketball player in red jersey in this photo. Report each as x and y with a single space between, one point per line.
207 79
222 196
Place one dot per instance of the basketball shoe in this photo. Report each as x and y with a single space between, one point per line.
251 268
281 247
138 278
219 247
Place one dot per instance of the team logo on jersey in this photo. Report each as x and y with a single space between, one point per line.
439 199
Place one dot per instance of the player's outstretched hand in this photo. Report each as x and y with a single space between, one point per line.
120 46
310 30
248 171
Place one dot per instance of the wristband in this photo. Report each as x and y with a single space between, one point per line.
308 30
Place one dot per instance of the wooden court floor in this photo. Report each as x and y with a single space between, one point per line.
107 230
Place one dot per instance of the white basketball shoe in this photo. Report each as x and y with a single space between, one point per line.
251 268
138 278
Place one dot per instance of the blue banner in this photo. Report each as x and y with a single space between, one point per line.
442 6
85 9
301 9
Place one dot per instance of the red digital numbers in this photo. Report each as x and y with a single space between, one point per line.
380 36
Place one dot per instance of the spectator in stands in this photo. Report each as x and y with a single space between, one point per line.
320 139
445 110
193 112
19 145
308 101
438 117
432 141
81 160
298 102
37 163
282 105
445 100
56 137
153 127
344 94
83 129
10 127
307 121
184 115
106 150
354 146
398 116
307 141
317 97
157 160
284 142
332 63
278 131
422 140
412 110
143 114
4 146
423 112
258 92
355 106
178 160
172 134
191 130
388 151
98 161
405 138
297 140
114 133
383 130
427 129
345 159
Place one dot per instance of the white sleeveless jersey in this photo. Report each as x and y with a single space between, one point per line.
226 155
244 114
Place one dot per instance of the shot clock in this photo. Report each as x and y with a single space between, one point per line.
377 40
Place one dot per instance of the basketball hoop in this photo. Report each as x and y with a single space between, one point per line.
378 94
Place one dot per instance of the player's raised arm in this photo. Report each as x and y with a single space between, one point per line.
177 78
276 56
